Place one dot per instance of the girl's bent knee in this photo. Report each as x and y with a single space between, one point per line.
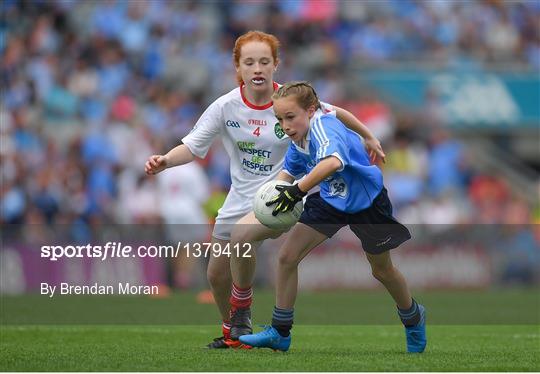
383 274
288 259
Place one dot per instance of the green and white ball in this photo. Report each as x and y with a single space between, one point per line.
283 221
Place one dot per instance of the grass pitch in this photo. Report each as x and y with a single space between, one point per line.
315 348
467 331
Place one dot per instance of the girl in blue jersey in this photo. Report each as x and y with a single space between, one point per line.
255 57
325 153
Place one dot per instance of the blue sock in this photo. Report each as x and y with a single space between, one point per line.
282 320
411 316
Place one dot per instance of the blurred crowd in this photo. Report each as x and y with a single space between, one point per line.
90 89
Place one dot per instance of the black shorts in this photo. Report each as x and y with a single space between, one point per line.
375 226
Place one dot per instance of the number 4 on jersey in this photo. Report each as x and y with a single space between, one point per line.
257 131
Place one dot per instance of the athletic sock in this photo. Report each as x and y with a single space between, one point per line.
282 320
410 317
240 297
226 329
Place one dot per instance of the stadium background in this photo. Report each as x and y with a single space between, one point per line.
91 88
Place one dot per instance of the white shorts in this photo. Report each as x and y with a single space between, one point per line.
234 208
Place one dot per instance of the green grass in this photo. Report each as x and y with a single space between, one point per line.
479 307
467 331
315 348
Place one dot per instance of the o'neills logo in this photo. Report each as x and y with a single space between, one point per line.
257 122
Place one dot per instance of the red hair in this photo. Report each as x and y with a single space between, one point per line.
254 36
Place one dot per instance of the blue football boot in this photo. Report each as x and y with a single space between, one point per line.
268 338
416 335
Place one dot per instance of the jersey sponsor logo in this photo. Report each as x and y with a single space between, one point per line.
278 131
249 148
257 164
245 145
338 187
233 124
257 122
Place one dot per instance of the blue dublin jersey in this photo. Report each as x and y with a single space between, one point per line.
353 187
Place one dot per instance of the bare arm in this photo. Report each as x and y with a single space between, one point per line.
290 195
282 176
179 155
323 170
372 143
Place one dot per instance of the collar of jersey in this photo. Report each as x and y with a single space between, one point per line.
253 106
305 150
312 121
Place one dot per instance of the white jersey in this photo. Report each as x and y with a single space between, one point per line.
252 137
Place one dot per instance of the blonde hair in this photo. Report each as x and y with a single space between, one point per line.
303 91
254 36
